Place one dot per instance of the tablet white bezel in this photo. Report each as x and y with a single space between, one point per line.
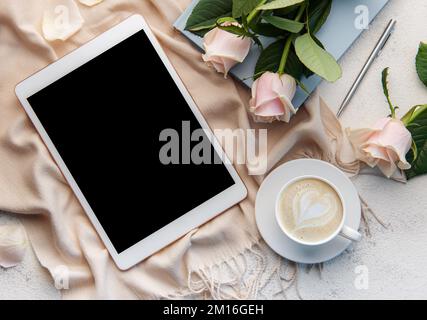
184 223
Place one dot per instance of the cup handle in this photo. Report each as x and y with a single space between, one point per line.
350 234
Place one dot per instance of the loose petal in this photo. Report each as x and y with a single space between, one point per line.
90 3
13 243
61 19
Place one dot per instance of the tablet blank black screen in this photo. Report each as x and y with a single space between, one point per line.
105 119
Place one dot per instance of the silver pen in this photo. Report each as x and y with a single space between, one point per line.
377 50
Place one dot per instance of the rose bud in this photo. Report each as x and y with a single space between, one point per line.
272 96
223 49
385 145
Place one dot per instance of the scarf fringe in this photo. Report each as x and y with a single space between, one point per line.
226 280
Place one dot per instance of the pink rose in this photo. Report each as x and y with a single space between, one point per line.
272 96
385 145
223 49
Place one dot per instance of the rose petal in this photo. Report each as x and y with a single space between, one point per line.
359 140
286 90
286 86
381 123
90 3
399 139
209 37
227 45
264 92
396 138
377 152
270 109
388 168
13 243
227 65
61 19
216 62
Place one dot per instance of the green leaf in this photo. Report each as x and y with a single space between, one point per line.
419 166
306 71
288 12
222 20
317 59
285 24
239 31
269 60
413 114
206 13
208 24
421 62
279 4
244 7
267 30
294 67
416 122
318 13
414 149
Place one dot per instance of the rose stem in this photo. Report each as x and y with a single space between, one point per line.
289 42
255 11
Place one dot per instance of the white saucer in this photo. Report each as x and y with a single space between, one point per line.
265 211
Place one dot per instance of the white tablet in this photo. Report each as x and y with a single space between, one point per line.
112 113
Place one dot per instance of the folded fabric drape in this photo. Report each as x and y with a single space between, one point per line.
32 186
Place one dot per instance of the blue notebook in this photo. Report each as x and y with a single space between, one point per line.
337 35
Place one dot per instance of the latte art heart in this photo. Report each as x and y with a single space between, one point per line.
310 209
313 209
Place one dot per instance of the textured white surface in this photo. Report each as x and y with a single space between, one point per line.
28 280
395 257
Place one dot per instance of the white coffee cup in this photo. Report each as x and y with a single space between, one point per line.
342 230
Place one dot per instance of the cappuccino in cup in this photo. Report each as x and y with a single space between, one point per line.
310 210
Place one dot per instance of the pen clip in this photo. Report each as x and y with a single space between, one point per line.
393 22
385 42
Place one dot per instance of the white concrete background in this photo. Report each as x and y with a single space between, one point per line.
395 257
